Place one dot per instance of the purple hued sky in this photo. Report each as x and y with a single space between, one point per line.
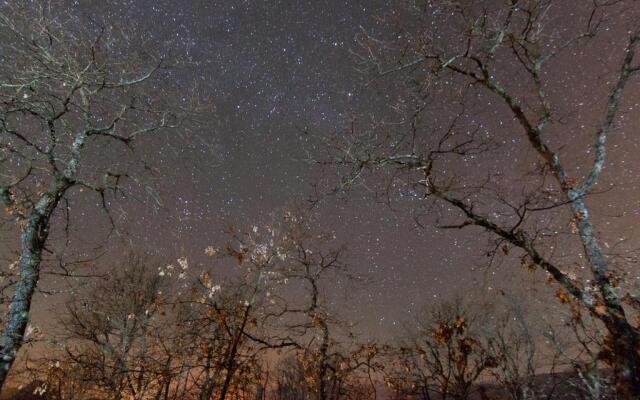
272 68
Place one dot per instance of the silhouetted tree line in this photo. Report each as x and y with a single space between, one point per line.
163 331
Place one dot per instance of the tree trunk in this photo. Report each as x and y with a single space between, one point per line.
32 241
209 381
324 350
624 347
624 341
230 364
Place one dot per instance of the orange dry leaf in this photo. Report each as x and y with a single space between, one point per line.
528 263
459 323
443 332
562 296
570 183
601 309
207 281
575 314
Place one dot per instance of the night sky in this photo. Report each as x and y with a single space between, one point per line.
271 69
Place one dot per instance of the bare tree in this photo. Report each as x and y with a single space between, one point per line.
446 354
324 341
113 333
225 359
73 103
455 66
578 342
291 268
514 345
142 335
290 380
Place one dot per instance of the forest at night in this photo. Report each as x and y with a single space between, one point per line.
319 199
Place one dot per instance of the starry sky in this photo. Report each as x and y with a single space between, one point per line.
271 69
